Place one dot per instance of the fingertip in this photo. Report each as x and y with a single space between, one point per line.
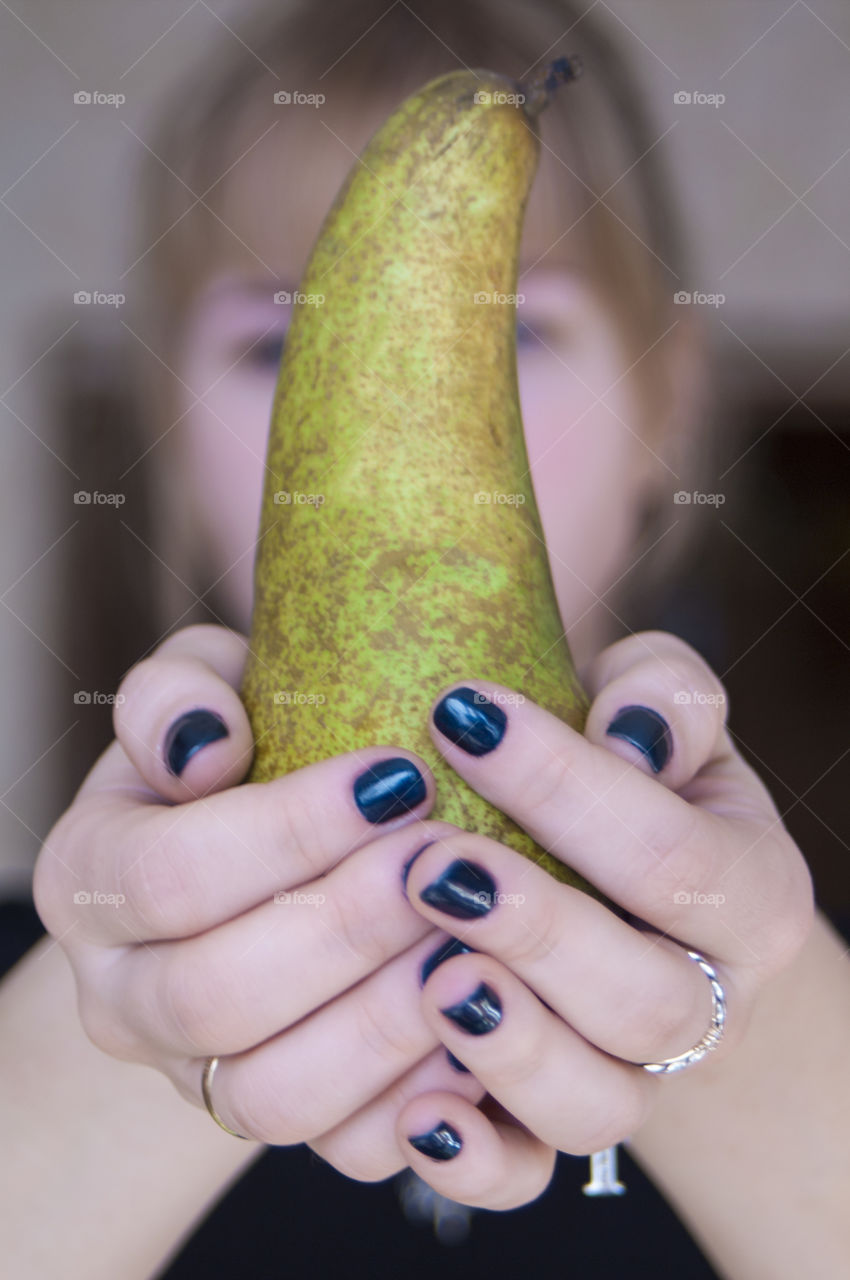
189 733
646 731
207 748
464 1154
392 787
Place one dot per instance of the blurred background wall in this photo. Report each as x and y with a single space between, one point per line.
753 106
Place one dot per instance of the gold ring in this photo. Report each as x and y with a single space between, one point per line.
206 1089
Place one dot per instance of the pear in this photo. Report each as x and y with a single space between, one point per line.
400 545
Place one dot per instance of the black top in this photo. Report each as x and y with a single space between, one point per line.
292 1215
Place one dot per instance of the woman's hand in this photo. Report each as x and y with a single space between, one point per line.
559 998
265 923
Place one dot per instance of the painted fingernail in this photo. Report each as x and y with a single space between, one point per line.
405 871
646 730
445 951
440 1143
470 720
464 890
478 1013
188 734
389 788
456 1062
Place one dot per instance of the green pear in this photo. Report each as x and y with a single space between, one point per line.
400 545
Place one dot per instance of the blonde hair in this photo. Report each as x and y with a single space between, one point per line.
367 55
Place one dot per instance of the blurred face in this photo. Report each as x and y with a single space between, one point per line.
589 465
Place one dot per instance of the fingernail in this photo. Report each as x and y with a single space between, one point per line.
451 947
470 720
188 734
456 1062
388 789
440 1143
646 730
405 871
478 1013
464 890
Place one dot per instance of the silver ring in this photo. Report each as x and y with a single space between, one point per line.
712 1037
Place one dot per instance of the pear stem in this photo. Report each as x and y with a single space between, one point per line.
539 88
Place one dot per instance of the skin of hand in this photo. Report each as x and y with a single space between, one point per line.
174 898
685 838
558 998
176 988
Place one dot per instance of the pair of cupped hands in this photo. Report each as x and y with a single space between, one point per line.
346 958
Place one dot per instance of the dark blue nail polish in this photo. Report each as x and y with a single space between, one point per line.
388 789
646 730
478 1013
440 1143
470 720
405 871
188 734
456 1063
445 951
464 890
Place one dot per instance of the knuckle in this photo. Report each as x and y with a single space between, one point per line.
49 887
252 1114
786 922
160 885
391 1039
536 935
657 1018
349 923
672 864
290 826
547 783
275 1115
521 1059
612 1120
104 1029
191 1003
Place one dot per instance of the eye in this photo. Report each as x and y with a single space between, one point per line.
266 354
532 336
